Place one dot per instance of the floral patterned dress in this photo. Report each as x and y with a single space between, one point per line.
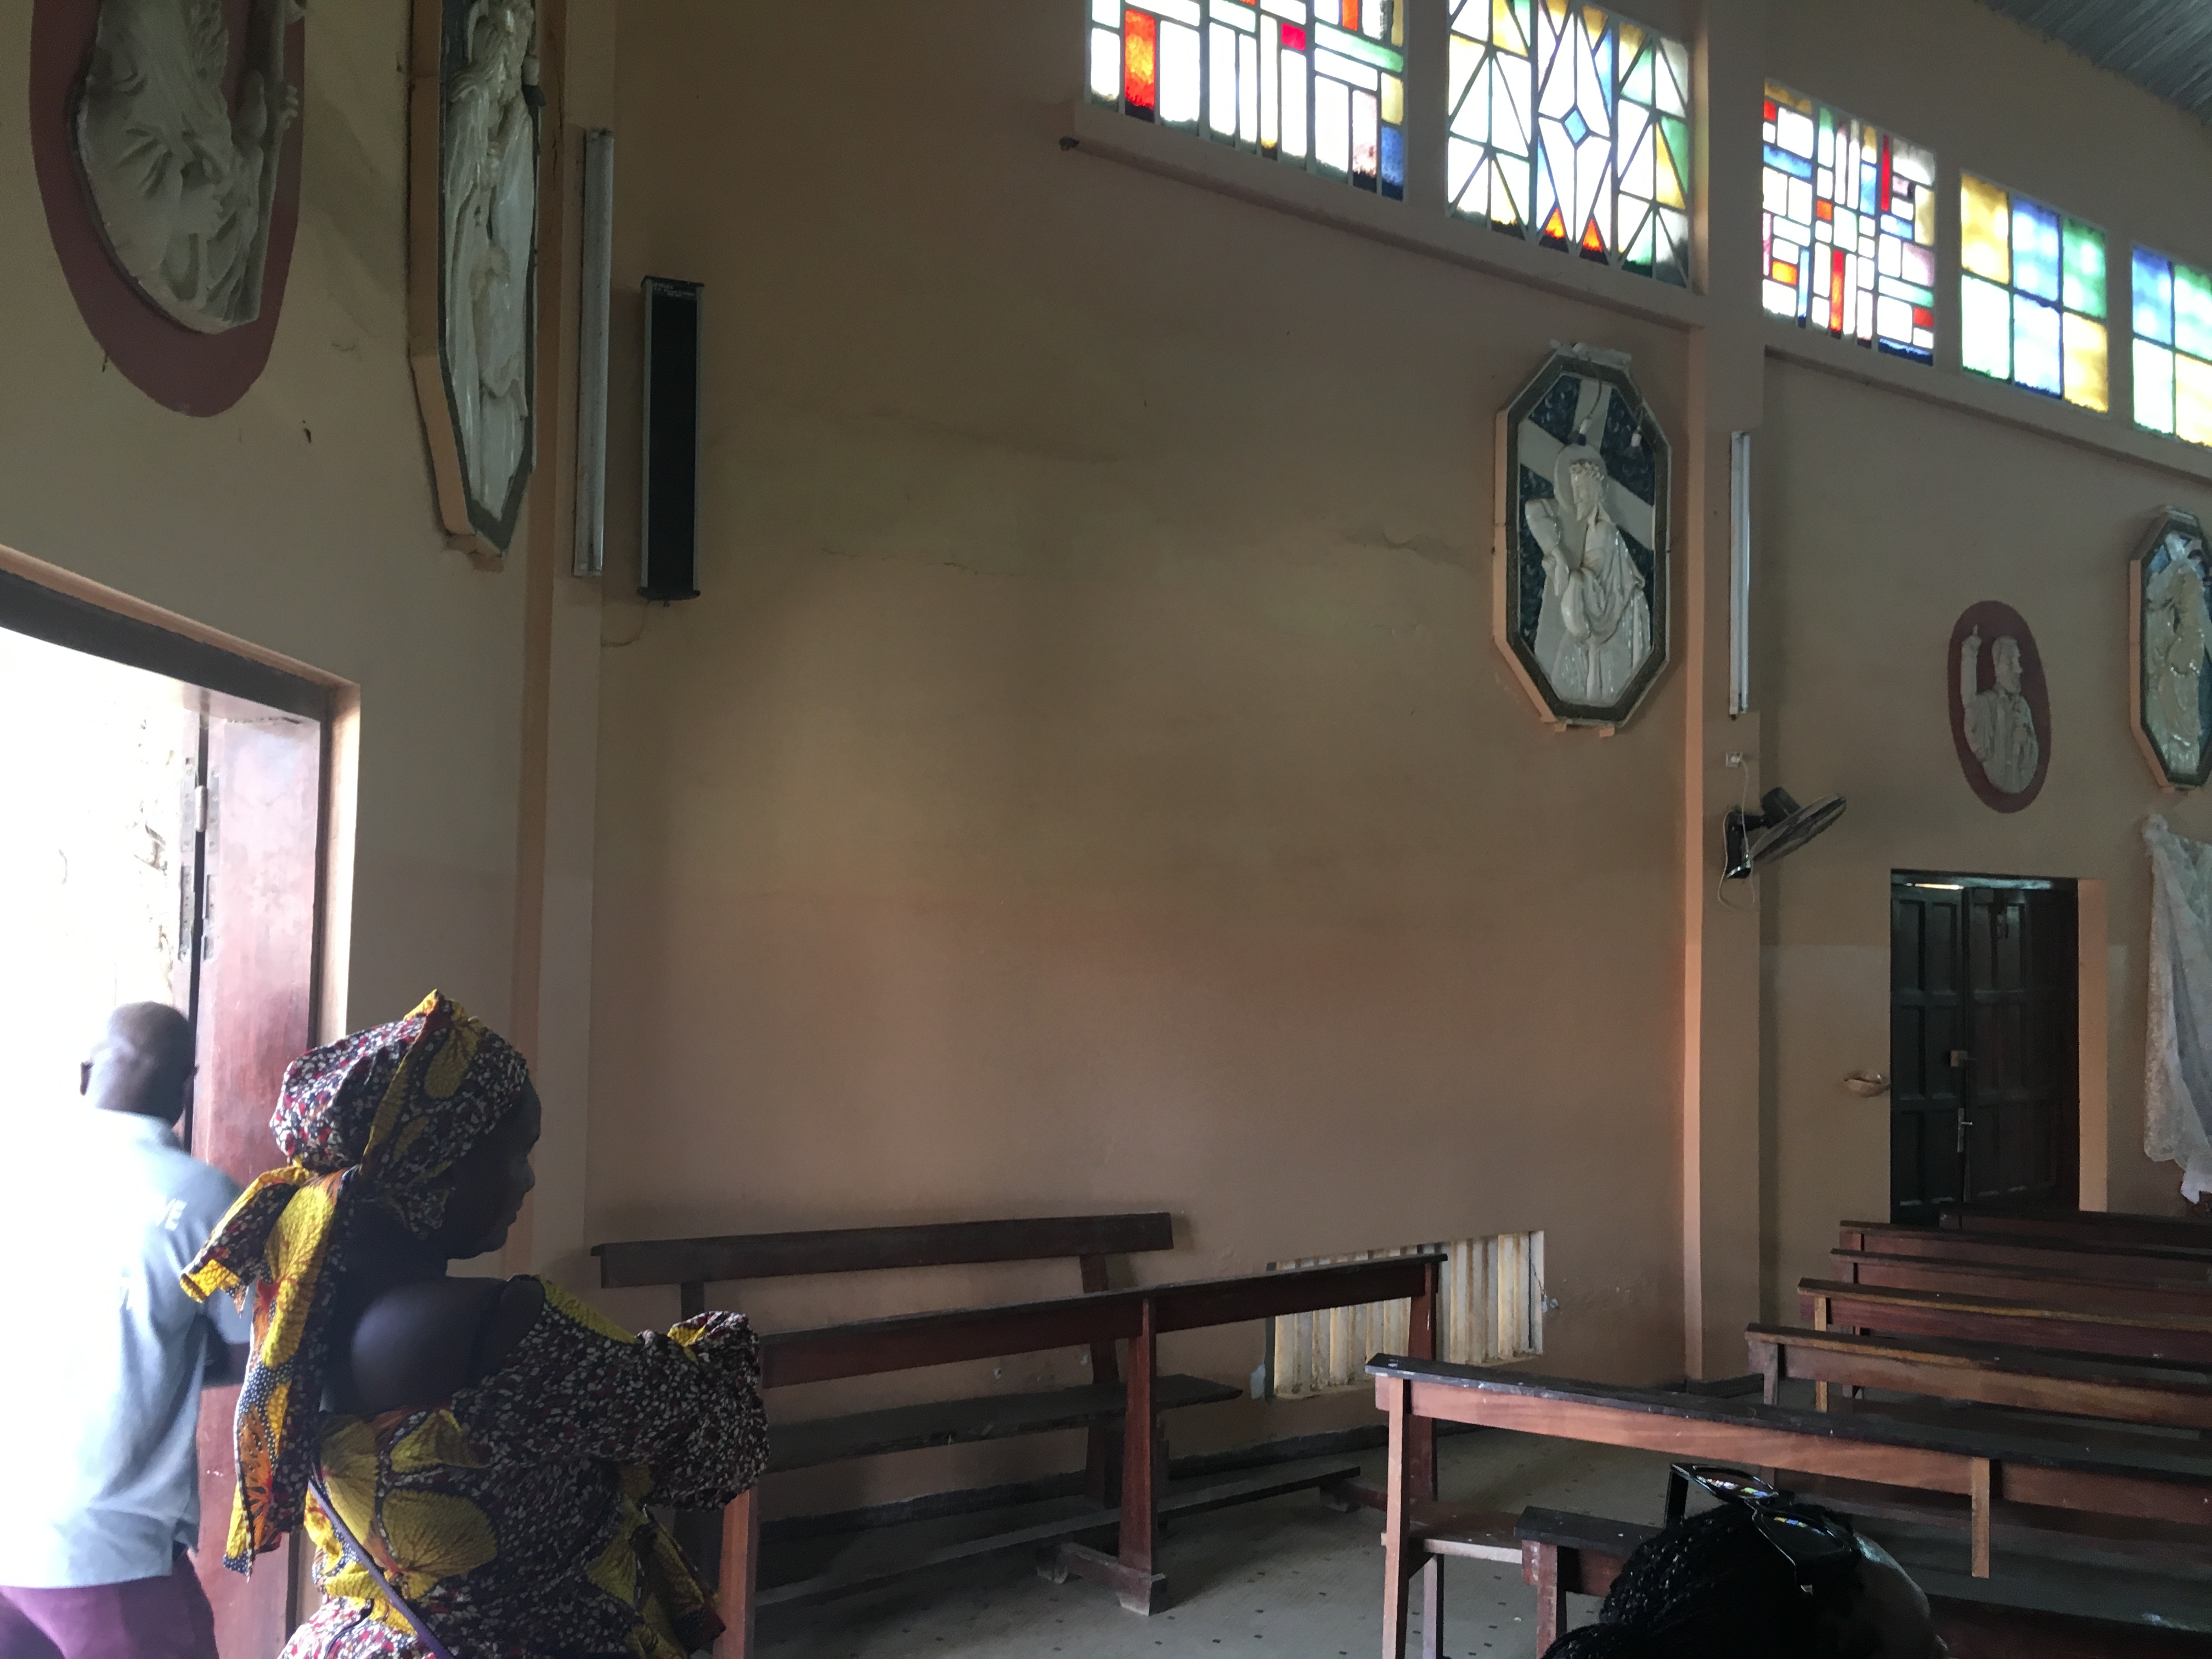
512 1517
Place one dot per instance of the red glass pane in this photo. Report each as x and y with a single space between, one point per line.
1351 15
1140 60
1555 228
1593 239
1835 290
1770 109
1825 210
1887 181
1294 38
1922 318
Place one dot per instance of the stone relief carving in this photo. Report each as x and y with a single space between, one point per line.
475 257
1583 601
183 185
2000 725
2173 637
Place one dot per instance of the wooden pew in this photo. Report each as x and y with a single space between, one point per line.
2022 1379
1090 1241
2011 1322
1564 1553
2111 1225
2141 1296
2123 1484
1095 1319
2054 1257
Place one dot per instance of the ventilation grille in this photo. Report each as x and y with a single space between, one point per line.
1491 1309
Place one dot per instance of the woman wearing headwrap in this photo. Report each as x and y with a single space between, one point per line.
491 1445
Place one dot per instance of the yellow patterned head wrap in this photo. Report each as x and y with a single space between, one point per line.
379 1117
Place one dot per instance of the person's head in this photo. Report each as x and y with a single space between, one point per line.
1586 478
1712 1585
431 1118
142 1063
2005 659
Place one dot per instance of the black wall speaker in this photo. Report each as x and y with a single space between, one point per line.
668 565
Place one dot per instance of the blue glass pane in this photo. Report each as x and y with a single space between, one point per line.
2034 250
2035 356
1393 158
2154 299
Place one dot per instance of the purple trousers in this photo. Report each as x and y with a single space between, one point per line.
144 1619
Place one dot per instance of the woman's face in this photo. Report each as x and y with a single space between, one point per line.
490 1182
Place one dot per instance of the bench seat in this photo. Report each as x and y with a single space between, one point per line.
964 1422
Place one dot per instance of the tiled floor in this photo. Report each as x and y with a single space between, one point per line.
1287 1577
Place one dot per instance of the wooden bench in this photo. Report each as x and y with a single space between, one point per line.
2127 1484
2011 1322
2113 1225
1987 1374
2068 1289
2094 1258
1095 1319
1565 1554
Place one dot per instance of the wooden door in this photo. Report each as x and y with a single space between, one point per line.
1982 1098
254 1014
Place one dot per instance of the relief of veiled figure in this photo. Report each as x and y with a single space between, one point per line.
2173 635
476 377
1582 605
183 183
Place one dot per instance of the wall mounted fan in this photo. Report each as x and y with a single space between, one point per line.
1778 828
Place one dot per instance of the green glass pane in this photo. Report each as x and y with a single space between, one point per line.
2192 310
2085 270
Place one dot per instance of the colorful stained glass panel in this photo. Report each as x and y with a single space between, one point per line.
2042 274
1319 86
2173 313
1848 232
1569 126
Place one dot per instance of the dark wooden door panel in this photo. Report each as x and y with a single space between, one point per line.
1983 1067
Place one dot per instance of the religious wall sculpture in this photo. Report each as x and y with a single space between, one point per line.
2170 625
1581 564
164 133
472 278
2000 707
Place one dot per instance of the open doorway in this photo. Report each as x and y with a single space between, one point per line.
1985 1104
163 842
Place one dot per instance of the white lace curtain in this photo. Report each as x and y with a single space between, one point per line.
2178 1059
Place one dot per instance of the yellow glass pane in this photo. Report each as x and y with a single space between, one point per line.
1984 228
1594 22
1669 171
1505 29
1394 100
2192 399
2085 380
1786 97
1466 58
1923 215
1632 42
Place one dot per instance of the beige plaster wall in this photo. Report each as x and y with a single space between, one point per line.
301 519
1088 782
1882 516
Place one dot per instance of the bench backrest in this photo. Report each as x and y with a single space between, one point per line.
695 1263
2099 1258
1979 1318
2025 1283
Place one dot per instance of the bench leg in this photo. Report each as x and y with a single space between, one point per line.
1129 1573
740 1570
1401 1556
1432 1608
1543 1563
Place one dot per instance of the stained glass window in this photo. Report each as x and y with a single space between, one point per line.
1570 125
2173 348
1319 86
1849 243
2031 294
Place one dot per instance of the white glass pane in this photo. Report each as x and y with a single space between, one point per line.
2035 359
1295 134
1332 124
1221 80
1179 74
1105 64
1984 328
1247 89
2153 386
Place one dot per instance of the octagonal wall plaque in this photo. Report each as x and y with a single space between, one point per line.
2169 638
1582 567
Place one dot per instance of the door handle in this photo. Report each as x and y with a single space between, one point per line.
1960 1059
1965 1123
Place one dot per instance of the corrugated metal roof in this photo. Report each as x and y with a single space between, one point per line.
2164 47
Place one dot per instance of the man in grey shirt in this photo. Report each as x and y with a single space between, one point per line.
100 1211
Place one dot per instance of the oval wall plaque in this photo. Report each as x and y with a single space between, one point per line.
2000 706
181 284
